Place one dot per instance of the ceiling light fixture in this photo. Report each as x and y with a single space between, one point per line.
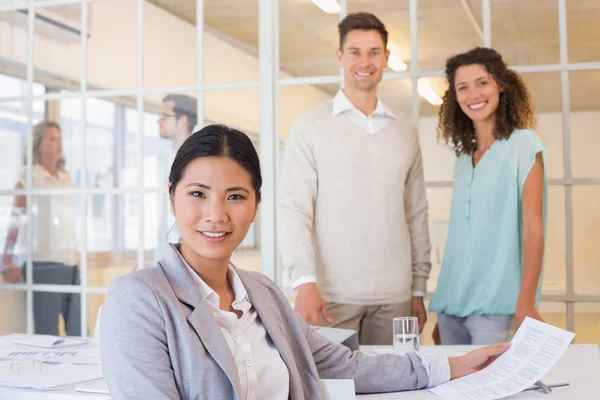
396 64
328 6
427 92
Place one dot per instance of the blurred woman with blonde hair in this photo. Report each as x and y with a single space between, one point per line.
53 248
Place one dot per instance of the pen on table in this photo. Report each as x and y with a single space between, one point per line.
544 387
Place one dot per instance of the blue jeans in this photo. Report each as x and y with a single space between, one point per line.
474 329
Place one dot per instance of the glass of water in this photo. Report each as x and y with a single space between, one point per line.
406 335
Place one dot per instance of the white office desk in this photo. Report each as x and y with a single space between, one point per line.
580 366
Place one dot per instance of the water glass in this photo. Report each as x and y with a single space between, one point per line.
406 335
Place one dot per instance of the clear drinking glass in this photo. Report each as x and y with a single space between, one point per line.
406 335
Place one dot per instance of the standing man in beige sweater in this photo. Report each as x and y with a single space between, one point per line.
353 209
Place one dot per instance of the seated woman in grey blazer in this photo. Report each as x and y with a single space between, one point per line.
196 327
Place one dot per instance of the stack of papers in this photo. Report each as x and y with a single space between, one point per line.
51 377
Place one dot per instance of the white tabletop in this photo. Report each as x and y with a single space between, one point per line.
579 366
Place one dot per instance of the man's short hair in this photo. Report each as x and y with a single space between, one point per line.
361 21
184 105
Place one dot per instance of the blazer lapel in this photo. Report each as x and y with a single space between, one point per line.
201 318
271 319
207 328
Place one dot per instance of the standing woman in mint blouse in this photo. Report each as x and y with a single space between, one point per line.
492 267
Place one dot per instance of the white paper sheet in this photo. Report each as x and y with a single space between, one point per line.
535 348
50 341
87 354
51 377
98 387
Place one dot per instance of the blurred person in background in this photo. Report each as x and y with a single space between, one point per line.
54 248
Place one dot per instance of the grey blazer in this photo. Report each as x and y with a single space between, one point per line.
159 340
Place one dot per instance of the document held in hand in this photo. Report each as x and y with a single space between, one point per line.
535 348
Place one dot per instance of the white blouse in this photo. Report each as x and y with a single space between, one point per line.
263 374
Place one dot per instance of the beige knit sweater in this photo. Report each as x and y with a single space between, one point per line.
352 209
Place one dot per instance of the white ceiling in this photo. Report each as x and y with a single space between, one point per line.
525 32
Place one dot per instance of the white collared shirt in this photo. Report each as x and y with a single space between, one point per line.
263 374
371 123
377 120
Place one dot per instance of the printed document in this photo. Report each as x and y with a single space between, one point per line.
535 348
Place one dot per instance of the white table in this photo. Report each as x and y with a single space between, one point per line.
580 366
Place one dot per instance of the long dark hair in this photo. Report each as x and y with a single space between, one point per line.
217 141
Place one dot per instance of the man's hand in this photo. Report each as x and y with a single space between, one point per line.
525 309
12 273
309 304
418 310
475 360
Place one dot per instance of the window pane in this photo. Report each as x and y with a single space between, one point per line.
396 94
546 92
439 218
13 311
583 18
13 49
57 45
521 39
445 29
308 40
159 226
14 129
170 34
112 152
587 323
230 40
584 122
112 44
438 157
13 132
70 122
112 236
586 236
555 249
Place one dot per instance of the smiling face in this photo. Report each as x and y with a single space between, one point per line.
363 59
477 92
214 205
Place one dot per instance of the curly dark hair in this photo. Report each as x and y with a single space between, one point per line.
515 108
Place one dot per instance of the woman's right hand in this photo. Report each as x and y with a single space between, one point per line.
475 360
